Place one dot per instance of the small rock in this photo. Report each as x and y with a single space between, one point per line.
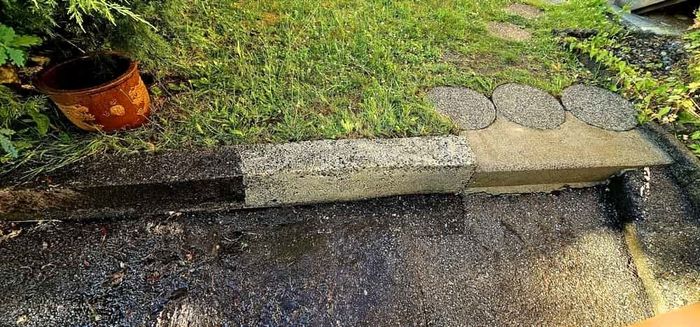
40 60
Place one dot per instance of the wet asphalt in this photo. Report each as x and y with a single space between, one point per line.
440 260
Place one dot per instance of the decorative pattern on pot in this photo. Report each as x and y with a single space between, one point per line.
139 97
104 90
117 110
80 116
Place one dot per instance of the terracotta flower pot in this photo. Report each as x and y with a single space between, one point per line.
99 92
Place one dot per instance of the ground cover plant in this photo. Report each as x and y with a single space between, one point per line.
661 74
229 72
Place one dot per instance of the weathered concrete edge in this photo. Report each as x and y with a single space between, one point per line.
116 186
347 170
235 185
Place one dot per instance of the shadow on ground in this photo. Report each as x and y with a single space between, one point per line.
541 259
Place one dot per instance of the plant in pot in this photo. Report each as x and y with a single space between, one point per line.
98 92
102 91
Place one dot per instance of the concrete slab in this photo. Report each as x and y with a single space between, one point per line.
326 171
644 6
600 107
468 109
645 24
528 106
511 158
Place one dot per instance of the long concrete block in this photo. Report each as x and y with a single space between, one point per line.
343 170
514 159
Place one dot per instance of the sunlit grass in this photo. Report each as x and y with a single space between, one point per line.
289 70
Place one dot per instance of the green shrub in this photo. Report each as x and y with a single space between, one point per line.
19 118
13 47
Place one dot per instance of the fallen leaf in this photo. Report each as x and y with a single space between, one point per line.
8 75
117 277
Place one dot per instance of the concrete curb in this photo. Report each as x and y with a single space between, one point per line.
115 186
321 171
343 170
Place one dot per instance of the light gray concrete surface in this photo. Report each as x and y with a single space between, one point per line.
645 24
528 106
468 109
326 171
600 107
511 158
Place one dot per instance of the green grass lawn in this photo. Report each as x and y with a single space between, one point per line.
231 72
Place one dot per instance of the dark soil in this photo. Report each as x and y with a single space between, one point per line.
660 55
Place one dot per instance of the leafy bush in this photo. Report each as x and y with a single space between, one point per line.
48 14
13 47
19 118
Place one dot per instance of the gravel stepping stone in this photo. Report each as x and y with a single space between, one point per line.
528 106
468 109
508 31
600 107
523 10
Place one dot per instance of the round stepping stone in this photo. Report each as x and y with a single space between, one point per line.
600 107
468 109
508 31
528 106
523 10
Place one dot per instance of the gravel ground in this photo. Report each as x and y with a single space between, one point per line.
540 259
668 229
658 54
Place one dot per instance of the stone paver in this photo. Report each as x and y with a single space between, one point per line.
528 106
467 109
600 107
508 31
523 10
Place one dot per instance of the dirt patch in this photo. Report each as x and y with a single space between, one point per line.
523 10
508 31
35 200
